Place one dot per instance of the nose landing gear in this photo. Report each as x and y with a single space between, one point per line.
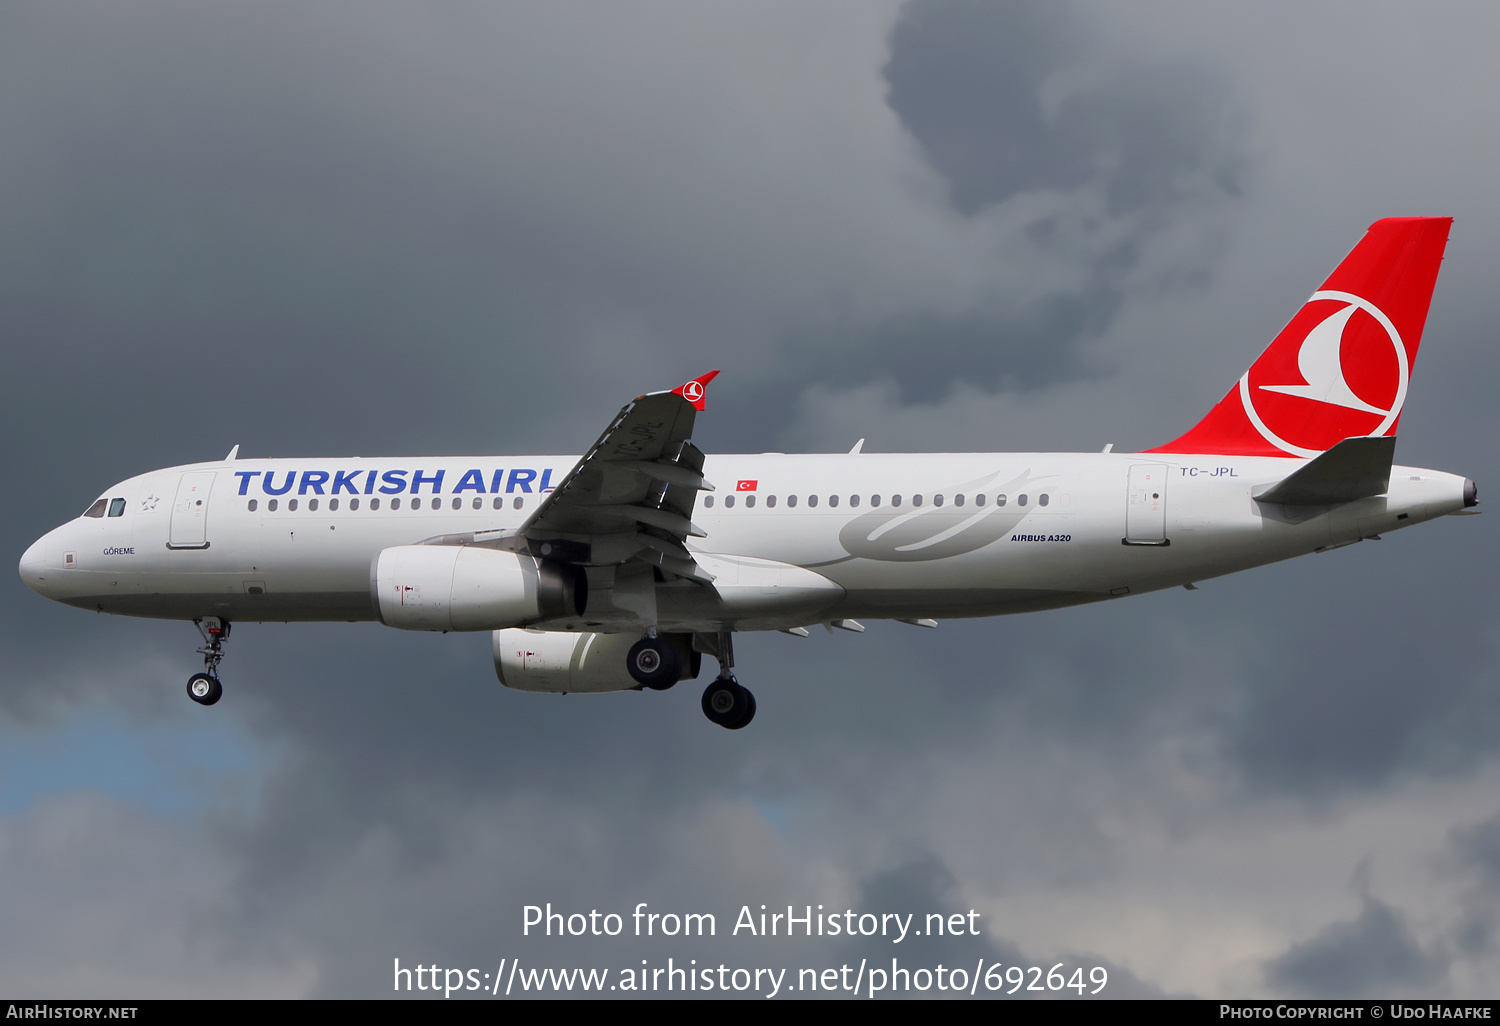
204 688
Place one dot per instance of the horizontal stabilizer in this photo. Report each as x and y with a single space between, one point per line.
1356 468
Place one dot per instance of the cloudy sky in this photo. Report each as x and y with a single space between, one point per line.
359 228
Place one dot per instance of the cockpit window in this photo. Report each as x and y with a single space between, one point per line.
97 509
117 507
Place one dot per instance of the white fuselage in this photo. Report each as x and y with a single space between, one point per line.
974 534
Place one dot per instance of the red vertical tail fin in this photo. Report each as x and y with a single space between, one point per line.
1341 367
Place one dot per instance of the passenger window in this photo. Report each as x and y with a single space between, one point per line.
478 502
457 502
116 507
708 502
999 500
97 509
354 504
854 500
916 500
1043 499
791 500
395 503
271 505
520 501
979 499
958 500
333 504
729 502
499 502
937 500
771 501
874 500
833 500
291 504
812 500
374 503
312 504
253 503
895 500
749 502
1021 499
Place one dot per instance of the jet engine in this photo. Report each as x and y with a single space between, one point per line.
468 588
561 662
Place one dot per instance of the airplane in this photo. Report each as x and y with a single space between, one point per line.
623 568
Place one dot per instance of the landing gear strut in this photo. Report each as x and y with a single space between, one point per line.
726 701
204 688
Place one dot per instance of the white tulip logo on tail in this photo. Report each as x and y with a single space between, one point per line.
1326 379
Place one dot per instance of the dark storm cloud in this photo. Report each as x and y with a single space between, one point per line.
1010 98
1472 857
1323 708
984 87
924 884
1372 954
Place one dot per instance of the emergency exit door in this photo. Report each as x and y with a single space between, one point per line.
1146 509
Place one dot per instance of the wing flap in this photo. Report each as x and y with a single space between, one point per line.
631 497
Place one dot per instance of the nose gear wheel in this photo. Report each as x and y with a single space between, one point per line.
204 688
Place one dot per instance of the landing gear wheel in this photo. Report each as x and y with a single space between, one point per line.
653 664
203 689
729 704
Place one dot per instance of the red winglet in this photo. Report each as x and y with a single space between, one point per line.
694 391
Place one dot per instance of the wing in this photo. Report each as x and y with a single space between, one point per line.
631 497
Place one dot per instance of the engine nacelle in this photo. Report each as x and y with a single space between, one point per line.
468 588
561 662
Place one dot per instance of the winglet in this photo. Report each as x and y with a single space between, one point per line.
694 391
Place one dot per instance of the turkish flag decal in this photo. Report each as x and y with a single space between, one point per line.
746 486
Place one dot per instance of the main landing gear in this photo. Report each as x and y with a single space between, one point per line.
726 701
653 663
204 688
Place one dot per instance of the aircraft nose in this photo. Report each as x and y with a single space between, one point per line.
34 567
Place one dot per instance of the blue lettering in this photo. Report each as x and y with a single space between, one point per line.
497 480
312 479
344 479
395 482
546 485
522 478
245 476
269 489
370 483
418 479
472 480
